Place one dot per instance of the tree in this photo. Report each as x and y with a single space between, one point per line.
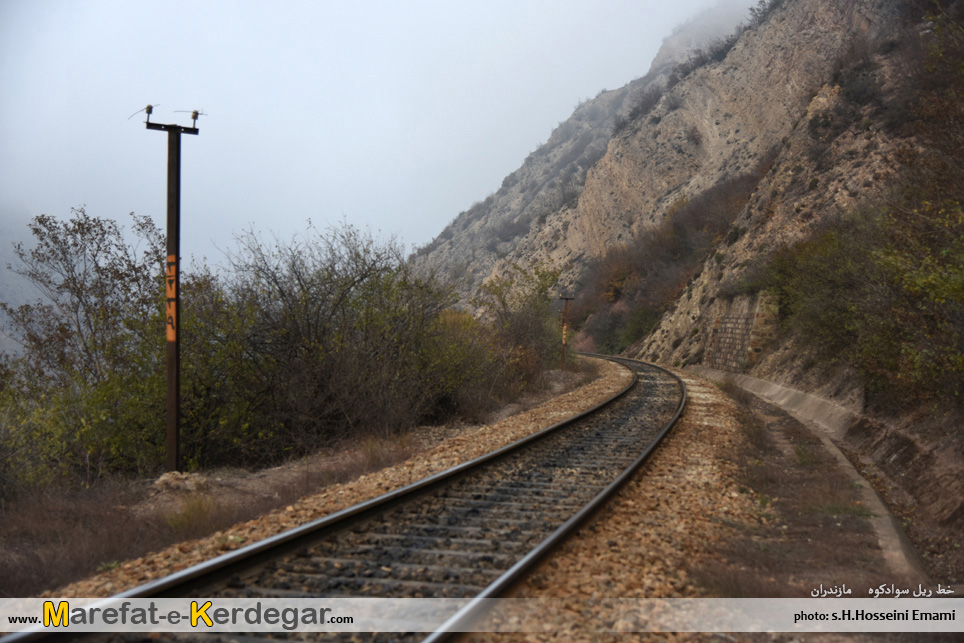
97 293
763 8
344 334
518 303
83 387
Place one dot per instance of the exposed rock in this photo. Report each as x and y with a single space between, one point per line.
534 214
776 94
181 482
587 190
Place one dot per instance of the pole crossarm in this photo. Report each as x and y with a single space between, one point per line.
164 127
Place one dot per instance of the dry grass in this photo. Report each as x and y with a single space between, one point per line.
53 538
380 452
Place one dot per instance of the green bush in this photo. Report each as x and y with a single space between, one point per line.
883 291
78 400
627 290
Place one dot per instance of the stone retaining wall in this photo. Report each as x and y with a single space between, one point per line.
739 330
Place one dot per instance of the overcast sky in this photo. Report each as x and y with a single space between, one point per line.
392 115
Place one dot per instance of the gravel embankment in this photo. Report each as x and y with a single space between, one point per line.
466 445
671 515
689 509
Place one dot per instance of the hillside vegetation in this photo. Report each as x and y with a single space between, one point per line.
873 282
812 153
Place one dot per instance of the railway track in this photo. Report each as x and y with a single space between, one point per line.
469 532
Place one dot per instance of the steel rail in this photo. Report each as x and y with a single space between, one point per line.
210 572
478 605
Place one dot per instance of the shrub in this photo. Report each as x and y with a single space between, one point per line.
639 321
78 399
518 304
694 136
716 52
338 341
298 346
755 277
632 284
859 86
511 229
603 327
619 124
647 100
884 297
612 329
882 290
762 10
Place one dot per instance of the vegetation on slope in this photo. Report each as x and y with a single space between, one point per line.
879 289
625 293
882 289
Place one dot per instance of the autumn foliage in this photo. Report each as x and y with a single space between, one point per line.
294 347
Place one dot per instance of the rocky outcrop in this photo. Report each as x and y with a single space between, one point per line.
538 212
835 155
772 98
586 190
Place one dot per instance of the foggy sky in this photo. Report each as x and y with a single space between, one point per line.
391 115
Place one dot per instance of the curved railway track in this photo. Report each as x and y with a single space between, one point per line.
469 532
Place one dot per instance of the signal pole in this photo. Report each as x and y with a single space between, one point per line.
173 281
565 326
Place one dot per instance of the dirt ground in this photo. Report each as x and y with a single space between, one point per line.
812 526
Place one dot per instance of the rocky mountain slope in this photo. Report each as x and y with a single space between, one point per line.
796 121
588 188
843 147
536 205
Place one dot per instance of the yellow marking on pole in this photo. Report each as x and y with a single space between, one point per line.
171 290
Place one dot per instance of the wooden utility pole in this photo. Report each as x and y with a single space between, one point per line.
172 282
565 326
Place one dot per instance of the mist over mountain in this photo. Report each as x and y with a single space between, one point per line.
701 31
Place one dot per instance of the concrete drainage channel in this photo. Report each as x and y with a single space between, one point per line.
829 421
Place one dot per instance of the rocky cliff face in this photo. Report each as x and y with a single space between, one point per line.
788 101
531 215
628 157
833 154
588 189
